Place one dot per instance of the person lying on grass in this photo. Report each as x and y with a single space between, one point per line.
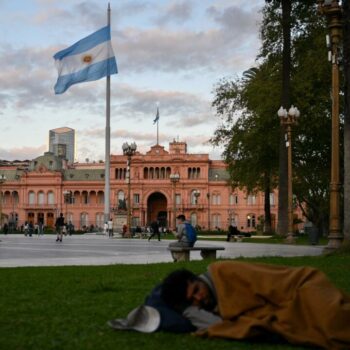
250 301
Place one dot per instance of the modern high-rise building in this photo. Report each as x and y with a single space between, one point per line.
61 143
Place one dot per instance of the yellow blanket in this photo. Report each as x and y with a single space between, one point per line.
300 304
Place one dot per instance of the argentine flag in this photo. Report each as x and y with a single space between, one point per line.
157 116
91 58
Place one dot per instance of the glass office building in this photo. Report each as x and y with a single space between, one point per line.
62 143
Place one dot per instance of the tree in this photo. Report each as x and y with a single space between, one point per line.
346 47
248 131
247 107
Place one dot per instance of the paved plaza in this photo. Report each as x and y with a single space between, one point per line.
18 250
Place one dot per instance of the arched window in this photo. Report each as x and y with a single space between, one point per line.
151 173
216 199
41 197
145 173
31 197
233 219
84 220
233 200
251 221
121 195
69 218
216 221
194 219
194 197
251 199
50 198
99 220
85 197
100 197
157 173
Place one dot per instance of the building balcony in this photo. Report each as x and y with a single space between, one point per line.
39 206
190 206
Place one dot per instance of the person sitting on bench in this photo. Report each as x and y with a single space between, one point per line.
184 238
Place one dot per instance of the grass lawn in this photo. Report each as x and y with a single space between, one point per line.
67 307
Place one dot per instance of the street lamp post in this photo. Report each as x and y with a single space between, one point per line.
129 151
288 119
2 181
332 10
67 199
208 198
196 194
174 178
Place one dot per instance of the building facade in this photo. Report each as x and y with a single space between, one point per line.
163 184
62 143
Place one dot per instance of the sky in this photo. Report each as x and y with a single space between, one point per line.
171 52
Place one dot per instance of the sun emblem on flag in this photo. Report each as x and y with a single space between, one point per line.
87 59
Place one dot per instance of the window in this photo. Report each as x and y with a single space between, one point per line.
216 199
84 220
193 173
251 220
121 195
99 220
251 199
178 199
216 221
85 196
31 197
233 199
69 218
100 197
194 219
233 220
50 198
194 197
136 198
272 199
41 198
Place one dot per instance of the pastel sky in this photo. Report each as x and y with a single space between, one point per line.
168 51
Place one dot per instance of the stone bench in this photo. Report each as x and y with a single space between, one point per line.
183 253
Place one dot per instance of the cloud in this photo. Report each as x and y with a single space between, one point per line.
236 19
22 153
178 12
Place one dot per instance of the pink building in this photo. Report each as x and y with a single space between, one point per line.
163 184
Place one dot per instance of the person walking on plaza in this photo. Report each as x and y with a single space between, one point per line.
110 228
155 230
40 228
59 227
232 231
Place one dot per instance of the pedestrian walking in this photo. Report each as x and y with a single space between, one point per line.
155 230
40 228
110 228
59 227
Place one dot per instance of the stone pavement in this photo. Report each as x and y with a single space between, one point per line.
17 250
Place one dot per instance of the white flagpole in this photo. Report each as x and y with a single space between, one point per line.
108 136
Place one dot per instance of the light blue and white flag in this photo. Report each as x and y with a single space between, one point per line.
91 58
157 116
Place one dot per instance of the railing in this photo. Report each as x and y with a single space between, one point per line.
39 206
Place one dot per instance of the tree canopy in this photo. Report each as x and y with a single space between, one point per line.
247 107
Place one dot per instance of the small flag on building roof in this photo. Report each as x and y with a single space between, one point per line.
157 116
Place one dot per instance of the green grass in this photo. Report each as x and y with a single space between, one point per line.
67 307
